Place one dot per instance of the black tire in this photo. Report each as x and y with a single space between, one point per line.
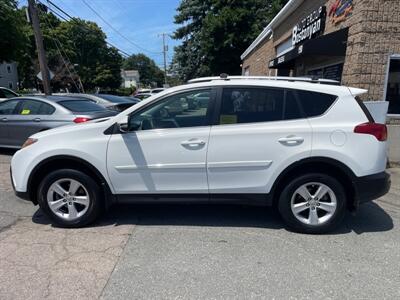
95 207
294 223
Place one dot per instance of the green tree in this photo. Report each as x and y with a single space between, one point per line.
108 72
83 43
150 73
12 41
215 33
74 49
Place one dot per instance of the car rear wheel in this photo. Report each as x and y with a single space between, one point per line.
313 203
70 198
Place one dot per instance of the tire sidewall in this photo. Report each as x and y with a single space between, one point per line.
90 185
285 210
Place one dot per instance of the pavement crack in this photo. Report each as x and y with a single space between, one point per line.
120 256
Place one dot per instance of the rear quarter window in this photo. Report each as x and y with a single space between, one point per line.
315 104
81 105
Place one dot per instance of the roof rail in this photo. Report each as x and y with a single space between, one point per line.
280 78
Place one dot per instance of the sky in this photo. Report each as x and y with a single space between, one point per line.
140 21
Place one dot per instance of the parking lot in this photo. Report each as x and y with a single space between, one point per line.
197 251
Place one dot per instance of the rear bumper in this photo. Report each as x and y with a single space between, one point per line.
368 188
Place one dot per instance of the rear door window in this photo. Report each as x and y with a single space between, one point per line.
81 105
252 105
313 103
33 107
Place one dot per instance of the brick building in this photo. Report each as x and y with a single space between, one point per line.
356 42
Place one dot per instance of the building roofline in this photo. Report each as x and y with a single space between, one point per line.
288 9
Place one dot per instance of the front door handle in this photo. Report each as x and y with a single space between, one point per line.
291 140
36 120
193 142
4 120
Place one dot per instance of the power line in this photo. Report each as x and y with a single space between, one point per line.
55 40
117 31
57 7
124 53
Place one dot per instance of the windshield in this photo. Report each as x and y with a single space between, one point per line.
81 105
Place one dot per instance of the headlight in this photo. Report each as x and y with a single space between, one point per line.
29 142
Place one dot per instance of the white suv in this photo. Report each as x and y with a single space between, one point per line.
308 147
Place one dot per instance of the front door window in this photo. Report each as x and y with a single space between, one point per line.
189 109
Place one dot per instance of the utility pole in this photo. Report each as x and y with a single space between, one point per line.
165 49
39 45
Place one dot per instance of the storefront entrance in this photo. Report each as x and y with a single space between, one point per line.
321 57
393 86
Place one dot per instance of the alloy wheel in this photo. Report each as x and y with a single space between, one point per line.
313 203
68 199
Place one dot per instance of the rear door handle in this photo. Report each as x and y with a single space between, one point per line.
291 140
193 142
4 120
36 120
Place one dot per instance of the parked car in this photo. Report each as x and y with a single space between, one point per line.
144 91
306 146
199 100
157 90
23 116
7 94
133 99
112 102
143 96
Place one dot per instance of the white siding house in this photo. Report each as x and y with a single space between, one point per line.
9 75
130 78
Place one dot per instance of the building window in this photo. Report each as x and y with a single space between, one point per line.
284 47
246 71
333 72
8 69
10 85
393 86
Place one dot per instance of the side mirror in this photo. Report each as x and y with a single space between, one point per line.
123 125
126 125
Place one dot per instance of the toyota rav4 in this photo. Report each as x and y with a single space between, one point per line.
307 147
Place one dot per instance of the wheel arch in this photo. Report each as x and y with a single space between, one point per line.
66 162
325 165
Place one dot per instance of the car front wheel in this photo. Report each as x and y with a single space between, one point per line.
70 198
313 203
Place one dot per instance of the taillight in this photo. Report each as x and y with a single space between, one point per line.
81 120
377 130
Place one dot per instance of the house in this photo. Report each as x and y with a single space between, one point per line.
9 75
130 78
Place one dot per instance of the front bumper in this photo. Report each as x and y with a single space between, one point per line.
368 188
22 195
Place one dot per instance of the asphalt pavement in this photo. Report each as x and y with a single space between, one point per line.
197 252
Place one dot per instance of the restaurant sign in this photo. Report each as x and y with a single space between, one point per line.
309 27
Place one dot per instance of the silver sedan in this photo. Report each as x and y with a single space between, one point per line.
24 116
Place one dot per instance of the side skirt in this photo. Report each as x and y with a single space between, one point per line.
246 199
